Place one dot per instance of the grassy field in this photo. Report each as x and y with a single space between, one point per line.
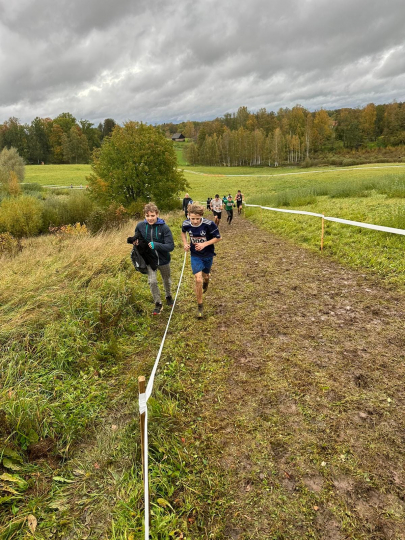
57 175
253 185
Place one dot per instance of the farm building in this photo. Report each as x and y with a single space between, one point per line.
178 137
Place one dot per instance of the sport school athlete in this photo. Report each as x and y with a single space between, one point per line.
229 209
203 235
239 201
216 206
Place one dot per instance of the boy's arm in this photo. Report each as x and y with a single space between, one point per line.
185 242
168 244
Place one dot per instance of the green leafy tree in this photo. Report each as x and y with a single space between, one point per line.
242 116
14 134
136 163
39 147
191 153
92 134
322 129
55 140
108 126
368 122
66 121
349 127
75 146
189 130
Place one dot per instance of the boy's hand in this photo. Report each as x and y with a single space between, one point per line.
186 247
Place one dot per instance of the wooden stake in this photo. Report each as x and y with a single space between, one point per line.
142 388
323 230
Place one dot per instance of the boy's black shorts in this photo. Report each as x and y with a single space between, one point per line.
217 214
239 203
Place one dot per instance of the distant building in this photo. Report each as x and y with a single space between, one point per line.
178 137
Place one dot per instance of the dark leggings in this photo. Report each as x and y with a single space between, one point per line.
230 215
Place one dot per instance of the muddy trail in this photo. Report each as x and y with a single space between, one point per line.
306 407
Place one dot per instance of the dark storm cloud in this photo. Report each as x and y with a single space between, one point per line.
156 61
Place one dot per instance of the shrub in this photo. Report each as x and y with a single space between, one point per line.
13 187
135 210
306 163
11 161
349 162
69 230
9 245
32 187
53 213
108 218
21 216
79 206
70 209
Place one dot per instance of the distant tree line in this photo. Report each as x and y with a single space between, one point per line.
61 140
291 135
264 137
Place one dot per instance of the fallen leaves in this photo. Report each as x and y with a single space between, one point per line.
32 523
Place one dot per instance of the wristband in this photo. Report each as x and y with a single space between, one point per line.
152 245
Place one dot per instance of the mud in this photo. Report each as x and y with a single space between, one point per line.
312 399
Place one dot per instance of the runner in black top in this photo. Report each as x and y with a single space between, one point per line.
186 201
239 201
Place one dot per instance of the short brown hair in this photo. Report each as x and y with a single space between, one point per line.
196 209
150 208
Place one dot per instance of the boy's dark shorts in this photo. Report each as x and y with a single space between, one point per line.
217 214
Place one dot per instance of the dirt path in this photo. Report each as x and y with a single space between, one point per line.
308 405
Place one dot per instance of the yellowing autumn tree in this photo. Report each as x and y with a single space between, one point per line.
322 129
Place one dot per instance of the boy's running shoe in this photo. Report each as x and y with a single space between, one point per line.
158 309
205 285
200 311
169 301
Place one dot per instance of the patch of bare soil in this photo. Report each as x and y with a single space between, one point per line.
308 410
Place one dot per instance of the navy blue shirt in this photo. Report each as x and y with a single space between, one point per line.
200 234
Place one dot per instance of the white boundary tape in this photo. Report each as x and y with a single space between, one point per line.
337 220
143 408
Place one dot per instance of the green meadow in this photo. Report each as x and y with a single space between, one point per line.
57 175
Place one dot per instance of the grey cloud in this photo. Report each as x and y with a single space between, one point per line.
156 61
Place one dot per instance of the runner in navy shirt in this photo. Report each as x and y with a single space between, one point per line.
203 235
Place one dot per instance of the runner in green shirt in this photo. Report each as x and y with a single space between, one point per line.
229 204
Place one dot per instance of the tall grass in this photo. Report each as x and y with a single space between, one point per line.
64 304
391 186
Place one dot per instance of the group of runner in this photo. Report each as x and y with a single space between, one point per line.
153 241
217 205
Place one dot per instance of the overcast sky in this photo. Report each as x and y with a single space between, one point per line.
162 60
